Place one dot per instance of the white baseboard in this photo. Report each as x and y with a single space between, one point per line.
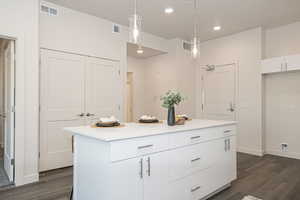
294 155
250 151
32 178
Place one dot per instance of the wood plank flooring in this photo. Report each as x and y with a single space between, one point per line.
269 178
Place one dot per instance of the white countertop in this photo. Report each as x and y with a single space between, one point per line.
135 130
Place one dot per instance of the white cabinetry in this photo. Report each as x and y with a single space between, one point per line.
156 167
281 64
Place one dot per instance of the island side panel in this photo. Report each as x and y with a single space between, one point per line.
91 169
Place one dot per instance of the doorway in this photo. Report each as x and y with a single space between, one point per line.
7 111
129 88
219 92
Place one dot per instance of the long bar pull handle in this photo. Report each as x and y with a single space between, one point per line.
195 137
149 166
229 145
146 146
225 145
196 159
227 131
195 189
141 168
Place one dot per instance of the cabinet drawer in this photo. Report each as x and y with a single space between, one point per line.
191 159
121 150
193 137
194 187
227 131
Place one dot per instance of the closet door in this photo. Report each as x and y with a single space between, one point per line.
103 88
62 105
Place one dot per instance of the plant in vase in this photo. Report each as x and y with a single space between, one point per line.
170 99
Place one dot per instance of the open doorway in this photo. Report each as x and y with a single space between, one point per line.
7 111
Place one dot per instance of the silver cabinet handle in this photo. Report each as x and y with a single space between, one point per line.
196 159
141 168
81 115
149 166
195 137
229 145
195 189
281 67
146 146
231 107
89 114
227 131
225 145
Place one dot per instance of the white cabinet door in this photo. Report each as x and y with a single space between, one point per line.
156 183
228 162
273 65
127 179
293 62
62 102
103 89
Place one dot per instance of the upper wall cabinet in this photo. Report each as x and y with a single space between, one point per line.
281 64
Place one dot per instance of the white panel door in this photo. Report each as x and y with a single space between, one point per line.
103 89
127 179
156 176
62 105
9 114
273 65
218 93
293 62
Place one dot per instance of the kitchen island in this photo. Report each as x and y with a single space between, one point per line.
154 161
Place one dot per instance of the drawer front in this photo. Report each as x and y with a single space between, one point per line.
227 131
121 150
191 159
193 187
193 137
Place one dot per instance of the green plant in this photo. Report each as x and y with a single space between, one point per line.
171 98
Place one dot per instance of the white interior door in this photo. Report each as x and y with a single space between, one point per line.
9 93
62 105
218 93
103 90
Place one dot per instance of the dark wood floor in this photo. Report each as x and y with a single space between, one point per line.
269 178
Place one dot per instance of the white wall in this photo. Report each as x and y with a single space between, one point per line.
282 41
92 36
19 19
246 49
172 71
282 111
138 69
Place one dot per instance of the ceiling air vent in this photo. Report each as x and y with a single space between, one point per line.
50 11
186 46
116 28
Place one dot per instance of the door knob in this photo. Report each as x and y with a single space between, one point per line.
231 107
81 115
90 115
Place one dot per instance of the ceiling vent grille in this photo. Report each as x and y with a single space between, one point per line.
116 28
48 10
186 46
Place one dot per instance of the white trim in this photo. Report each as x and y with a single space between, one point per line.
294 155
20 105
250 151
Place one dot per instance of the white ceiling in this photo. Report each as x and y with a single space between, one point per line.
233 15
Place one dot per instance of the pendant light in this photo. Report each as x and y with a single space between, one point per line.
135 24
195 47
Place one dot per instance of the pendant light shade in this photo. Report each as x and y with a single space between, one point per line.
135 26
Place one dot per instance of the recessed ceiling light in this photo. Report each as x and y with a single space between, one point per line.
217 28
169 10
140 51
